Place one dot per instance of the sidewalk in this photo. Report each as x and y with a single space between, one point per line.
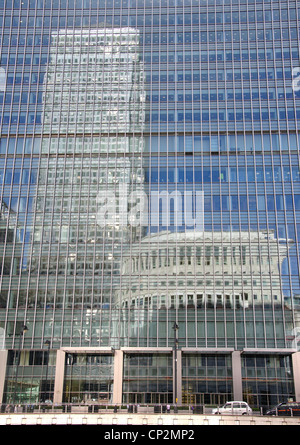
140 419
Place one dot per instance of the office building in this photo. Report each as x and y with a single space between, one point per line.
150 190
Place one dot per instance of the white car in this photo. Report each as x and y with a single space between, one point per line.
235 408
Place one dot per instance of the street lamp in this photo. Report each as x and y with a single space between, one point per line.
22 332
175 327
47 342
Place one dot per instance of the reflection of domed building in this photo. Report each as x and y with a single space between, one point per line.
231 269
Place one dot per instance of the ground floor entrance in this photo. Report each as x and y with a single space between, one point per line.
149 376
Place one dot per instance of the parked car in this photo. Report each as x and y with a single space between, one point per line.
285 409
236 408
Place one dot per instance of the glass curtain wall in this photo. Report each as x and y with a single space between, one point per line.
88 378
148 378
207 379
267 380
30 377
149 173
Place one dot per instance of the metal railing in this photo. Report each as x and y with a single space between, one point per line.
93 408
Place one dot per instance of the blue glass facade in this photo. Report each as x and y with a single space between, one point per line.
149 169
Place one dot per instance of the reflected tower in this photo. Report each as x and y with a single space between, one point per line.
91 158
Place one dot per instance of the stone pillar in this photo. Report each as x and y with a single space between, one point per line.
3 362
237 375
118 376
59 376
296 373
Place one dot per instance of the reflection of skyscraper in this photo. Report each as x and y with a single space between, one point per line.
94 83
93 97
10 251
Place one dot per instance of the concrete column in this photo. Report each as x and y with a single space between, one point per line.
179 376
59 376
237 375
3 362
118 376
296 373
